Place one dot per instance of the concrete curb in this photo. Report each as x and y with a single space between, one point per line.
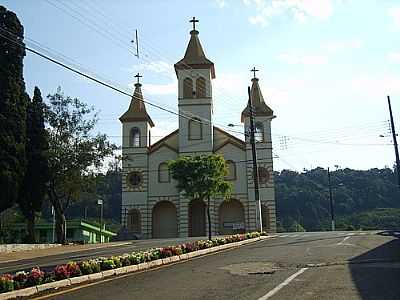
123 270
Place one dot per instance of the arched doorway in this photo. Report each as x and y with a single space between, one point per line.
231 217
133 221
197 218
265 217
164 221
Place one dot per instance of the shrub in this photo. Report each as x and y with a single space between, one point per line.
155 254
134 259
6 283
165 252
117 261
85 267
125 261
61 272
35 277
20 279
107 264
74 269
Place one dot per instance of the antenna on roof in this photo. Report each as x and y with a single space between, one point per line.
136 41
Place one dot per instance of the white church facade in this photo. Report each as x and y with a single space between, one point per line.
152 207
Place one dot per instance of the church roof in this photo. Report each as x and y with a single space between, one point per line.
194 56
137 109
257 99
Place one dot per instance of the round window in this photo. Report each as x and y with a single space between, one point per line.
135 179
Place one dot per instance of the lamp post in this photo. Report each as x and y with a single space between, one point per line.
100 202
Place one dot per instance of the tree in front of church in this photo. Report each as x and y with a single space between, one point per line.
74 153
201 177
13 99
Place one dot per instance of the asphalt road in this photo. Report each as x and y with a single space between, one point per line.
339 265
49 261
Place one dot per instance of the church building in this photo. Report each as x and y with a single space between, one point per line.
152 207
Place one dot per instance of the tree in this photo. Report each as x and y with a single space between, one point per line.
13 101
37 170
201 177
74 154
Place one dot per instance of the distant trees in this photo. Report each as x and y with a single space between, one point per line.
36 177
74 153
302 198
202 178
13 102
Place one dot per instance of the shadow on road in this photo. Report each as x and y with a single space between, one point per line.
376 273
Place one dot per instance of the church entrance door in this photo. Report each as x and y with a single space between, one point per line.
164 220
197 218
231 217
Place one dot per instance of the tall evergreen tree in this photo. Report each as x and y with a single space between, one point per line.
37 168
13 101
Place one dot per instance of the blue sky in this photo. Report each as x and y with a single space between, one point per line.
326 66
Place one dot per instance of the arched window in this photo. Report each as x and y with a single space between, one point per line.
200 87
163 173
134 137
187 88
231 170
195 129
259 132
133 221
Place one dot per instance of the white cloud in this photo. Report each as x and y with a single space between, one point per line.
160 67
394 57
162 129
300 10
161 89
394 13
221 3
294 59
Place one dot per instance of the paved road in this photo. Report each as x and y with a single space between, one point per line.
339 265
49 261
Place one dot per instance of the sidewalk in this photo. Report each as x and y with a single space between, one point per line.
28 254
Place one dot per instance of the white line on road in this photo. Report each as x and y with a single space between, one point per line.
283 284
342 241
285 235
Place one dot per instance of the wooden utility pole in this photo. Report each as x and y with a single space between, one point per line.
254 154
331 202
396 148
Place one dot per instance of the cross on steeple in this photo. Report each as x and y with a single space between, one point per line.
194 21
254 70
138 77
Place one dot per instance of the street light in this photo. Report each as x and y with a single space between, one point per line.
100 202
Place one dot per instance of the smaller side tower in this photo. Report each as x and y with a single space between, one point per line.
262 123
136 126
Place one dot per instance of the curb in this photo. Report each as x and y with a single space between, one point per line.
26 292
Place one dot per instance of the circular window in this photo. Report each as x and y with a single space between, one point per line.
135 179
263 174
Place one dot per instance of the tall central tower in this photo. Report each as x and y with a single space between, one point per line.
194 73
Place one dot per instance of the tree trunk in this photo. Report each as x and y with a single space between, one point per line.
209 218
60 228
30 229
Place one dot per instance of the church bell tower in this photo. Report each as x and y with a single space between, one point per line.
195 72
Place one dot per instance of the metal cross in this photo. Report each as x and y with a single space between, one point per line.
138 76
194 21
254 70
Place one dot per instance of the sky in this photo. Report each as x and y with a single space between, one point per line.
325 66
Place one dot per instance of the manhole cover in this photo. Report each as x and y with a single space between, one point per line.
251 268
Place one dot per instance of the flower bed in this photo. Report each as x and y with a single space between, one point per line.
19 280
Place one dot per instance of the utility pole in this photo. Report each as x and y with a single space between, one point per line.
396 149
100 202
254 154
331 202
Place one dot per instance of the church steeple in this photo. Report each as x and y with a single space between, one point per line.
257 99
137 109
194 56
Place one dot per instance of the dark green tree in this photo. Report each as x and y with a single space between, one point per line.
13 99
201 177
37 170
74 153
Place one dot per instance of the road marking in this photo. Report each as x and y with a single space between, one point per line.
295 235
282 285
285 235
342 241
